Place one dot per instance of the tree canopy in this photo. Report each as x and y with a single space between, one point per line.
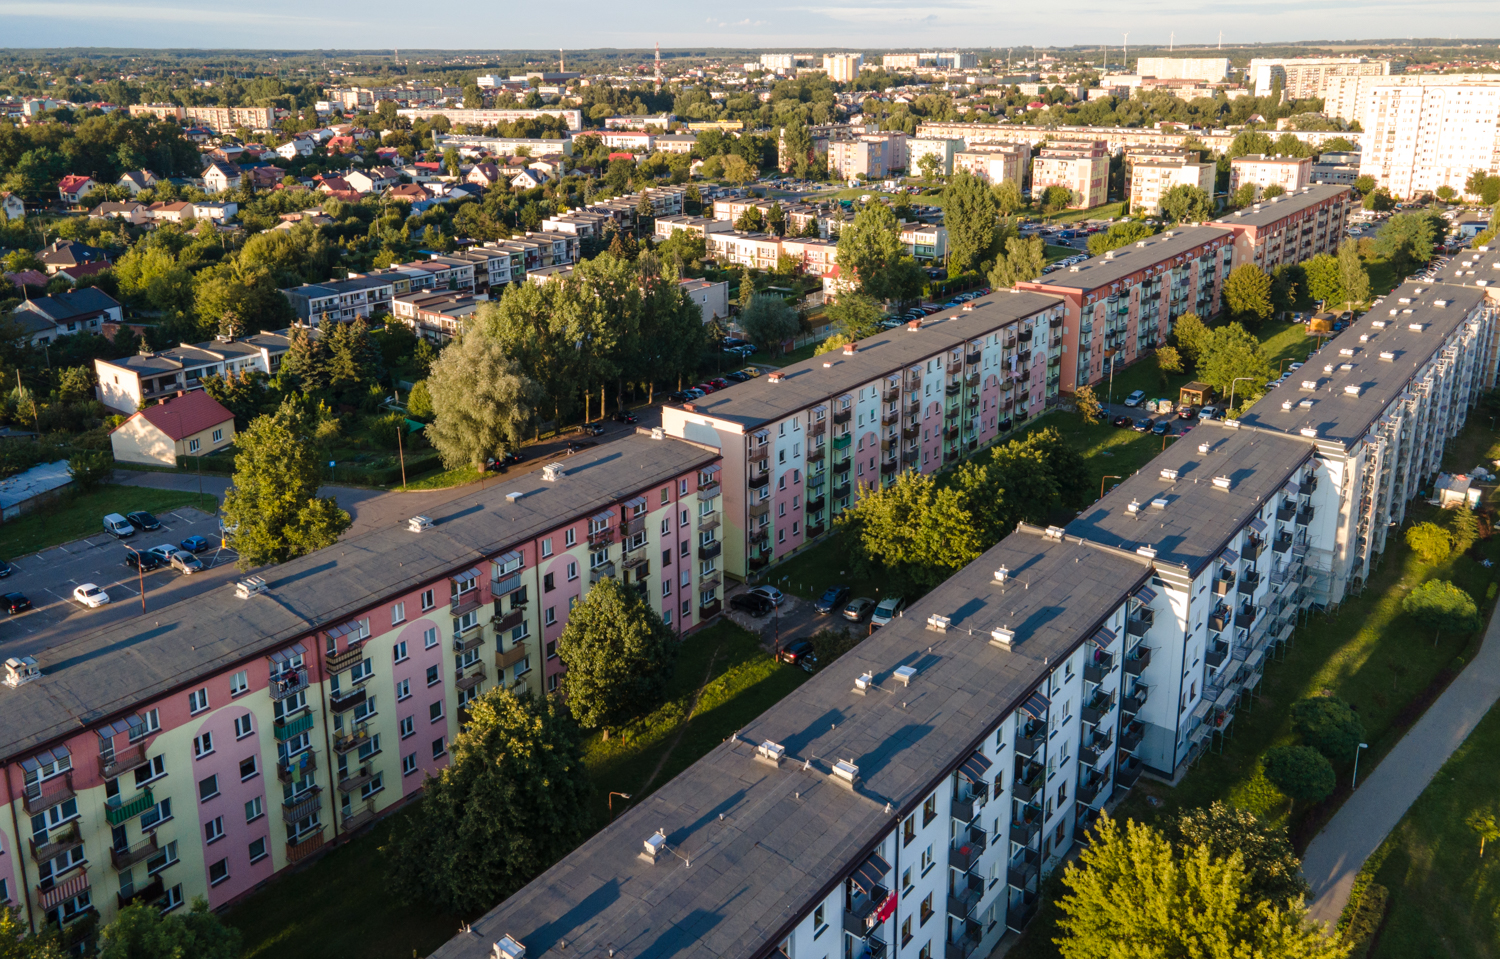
969 213
481 401
1120 234
769 322
1230 353
1247 295
1022 262
870 255
1441 606
619 656
140 931
1327 724
1273 871
1301 772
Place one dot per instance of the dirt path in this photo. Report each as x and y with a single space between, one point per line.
645 787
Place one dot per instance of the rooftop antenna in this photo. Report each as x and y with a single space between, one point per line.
658 66
1125 53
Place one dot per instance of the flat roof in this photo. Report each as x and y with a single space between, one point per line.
808 382
1340 416
1099 271
1474 267
1269 211
789 834
108 671
1198 518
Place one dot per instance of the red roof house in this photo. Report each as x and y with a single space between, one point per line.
189 424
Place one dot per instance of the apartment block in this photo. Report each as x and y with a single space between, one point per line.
436 317
665 226
842 67
1419 137
874 156
996 162
943 148
1289 173
484 118
799 444
128 383
924 241
1151 178
220 119
472 145
1082 167
1308 77
342 300
341 677
1206 69
1291 228
755 250
1121 306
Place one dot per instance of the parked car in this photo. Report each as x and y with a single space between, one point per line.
141 519
1136 398
16 603
118 526
859 610
833 598
625 416
594 429
162 552
186 563
5 569
1122 421
1208 413
1162 428
195 544
752 603
145 561
90 595
1187 411
887 610
775 595
1144 424
799 652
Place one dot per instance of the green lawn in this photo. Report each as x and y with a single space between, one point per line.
1055 253
443 480
1282 342
81 515
1108 211
339 908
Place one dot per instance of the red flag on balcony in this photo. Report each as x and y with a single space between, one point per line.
886 909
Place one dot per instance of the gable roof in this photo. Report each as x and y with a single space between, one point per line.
73 183
182 416
65 306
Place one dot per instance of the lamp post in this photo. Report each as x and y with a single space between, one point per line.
611 801
1231 391
1110 354
1104 480
140 573
1355 783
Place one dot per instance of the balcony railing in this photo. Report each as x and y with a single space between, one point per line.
963 899
302 765
1102 665
123 859
1137 661
471 675
283 730
1140 621
1128 772
345 699
303 805
356 779
503 624
1249 579
150 892
290 682
710 609
43 796
1098 707
118 812
602 571
710 550
1281 544
1286 511
72 887
57 843
1216 654
341 662
1133 703
122 761
707 491
1131 737
300 850
1304 516
1023 869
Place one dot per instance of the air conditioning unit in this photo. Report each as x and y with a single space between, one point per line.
418 523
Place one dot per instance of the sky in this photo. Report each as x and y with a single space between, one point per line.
867 24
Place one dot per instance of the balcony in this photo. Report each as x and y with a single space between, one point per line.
1023 869
707 491
1306 487
286 729
840 492
1282 543
1219 618
963 809
1132 735
710 550
964 854
122 762
705 610
54 895
302 805
605 570
43 796
1098 707
57 843
1140 621
1304 516
1027 782
289 683
1133 703
345 699
1102 665
1137 661
118 812
952 388
1128 772
763 508
1286 511
815 505
1223 583
1022 909
759 480
890 416
1249 579
890 466
361 776
1216 654
341 662
150 892
475 637
890 394
502 624
123 859
1245 618
964 945
357 817
602 537
963 899
1252 550
501 585
300 850
470 676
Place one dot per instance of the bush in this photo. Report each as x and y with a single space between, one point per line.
1368 917
1439 605
1430 541
1329 725
1300 772
830 643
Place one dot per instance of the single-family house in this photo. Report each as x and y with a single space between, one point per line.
76 311
64 253
75 273
484 174
529 180
297 147
72 189
409 193
188 424
12 205
129 211
216 212
262 177
373 180
174 212
219 176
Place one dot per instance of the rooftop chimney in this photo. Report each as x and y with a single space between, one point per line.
850 349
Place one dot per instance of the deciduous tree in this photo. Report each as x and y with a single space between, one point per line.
619 656
1022 262
1429 541
140 931
1088 405
481 401
19 942
1439 605
1484 824
1119 234
1301 772
855 316
1327 724
914 530
1324 278
1247 295
1184 203
969 213
1192 336
1354 279
1230 353
1008 198
1272 870
769 322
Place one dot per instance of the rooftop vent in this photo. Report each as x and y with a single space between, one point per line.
1310 432
1309 384
846 773
1168 474
508 948
1378 324
863 682
418 523
1351 390
1142 244
904 674
1395 312
1441 304
1388 356
20 670
1223 482
770 752
513 496
1109 255
1204 447
1346 351
1160 502
968 307
1054 532
1414 327
1134 506
1346 367
657 433
851 348
655 846
1306 404
939 623
1002 574
773 377
914 324
1405 299
1002 637
1327 367
1364 337
249 586
1146 551
1286 404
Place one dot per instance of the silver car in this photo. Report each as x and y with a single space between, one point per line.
186 563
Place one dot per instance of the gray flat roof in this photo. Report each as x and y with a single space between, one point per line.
1277 207
1341 417
1199 518
788 834
106 672
1478 268
808 383
1103 270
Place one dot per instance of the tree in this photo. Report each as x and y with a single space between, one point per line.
1168 360
1272 869
930 166
1300 772
1327 724
1363 184
1485 826
619 656
1408 239
18 942
481 401
1192 337
419 401
870 251
512 801
1248 142
737 170
273 504
1324 278
1446 193
969 213
89 468
1088 405
1008 198
1429 541
1024 479
915 531
1055 199
1439 605
751 221
1464 529
1379 200
1230 353
1273 191
1023 261
1124 233
140 931
1484 186
1132 894
1247 294
75 383
1184 203
855 316
836 341
769 322
1243 195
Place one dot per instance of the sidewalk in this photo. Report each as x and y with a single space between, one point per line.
1377 805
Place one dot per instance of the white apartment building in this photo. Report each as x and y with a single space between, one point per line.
572 117
944 148
1207 69
1152 177
1082 167
842 67
1289 173
1419 137
1308 77
995 162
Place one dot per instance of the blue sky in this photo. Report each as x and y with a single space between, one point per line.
870 24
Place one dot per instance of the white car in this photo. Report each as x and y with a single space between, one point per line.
1134 399
770 592
91 595
1208 412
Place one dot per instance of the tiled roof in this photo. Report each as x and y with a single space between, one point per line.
182 416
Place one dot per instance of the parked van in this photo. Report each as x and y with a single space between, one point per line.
118 526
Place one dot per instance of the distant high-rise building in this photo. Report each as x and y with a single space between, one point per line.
1423 136
1208 69
842 67
1309 77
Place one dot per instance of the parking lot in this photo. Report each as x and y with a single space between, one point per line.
49 577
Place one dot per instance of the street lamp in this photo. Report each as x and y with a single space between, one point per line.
1110 355
1355 783
1231 391
140 573
611 801
1103 481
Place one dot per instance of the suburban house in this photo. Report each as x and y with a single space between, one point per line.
485 174
529 180
373 180
217 212
129 211
12 205
189 424
297 147
174 212
219 176
65 253
73 188
137 180
76 311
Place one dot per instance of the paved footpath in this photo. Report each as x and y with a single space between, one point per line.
1361 825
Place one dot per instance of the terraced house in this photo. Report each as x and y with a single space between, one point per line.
239 732
799 443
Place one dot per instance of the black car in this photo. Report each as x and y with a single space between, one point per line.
16 603
594 429
1162 428
738 377
833 598
752 603
1144 424
678 396
799 652
141 519
5 569
1123 421
146 561
625 416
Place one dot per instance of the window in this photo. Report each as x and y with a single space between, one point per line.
156 815
552 679
218 872
434 675
547 546
926 950
435 711
427 601
398 614
549 617
254 809
372 787
906 880
403 690
192 446
150 723
407 726
365 709
213 830
239 682
572 571
929 809
361 671
905 931
569 537
257 850
153 770
909 830
203 745
682 548
927 859
248 769
243 726
198 701
926 909
408 764
429 637
208 788
439 747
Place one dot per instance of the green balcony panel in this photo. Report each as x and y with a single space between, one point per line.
842 442
124 812
296 727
